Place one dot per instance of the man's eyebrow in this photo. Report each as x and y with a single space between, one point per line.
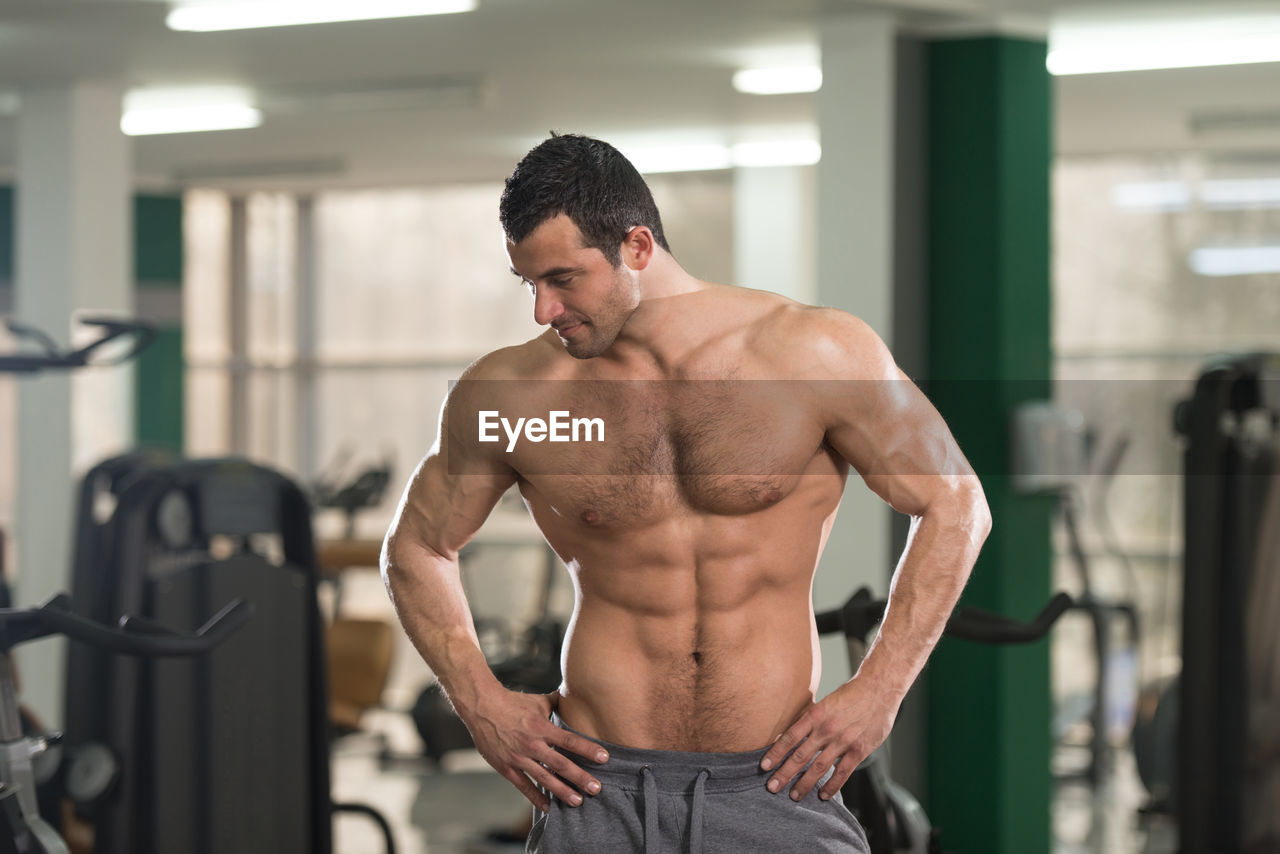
547 274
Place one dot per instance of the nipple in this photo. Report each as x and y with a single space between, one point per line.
590 517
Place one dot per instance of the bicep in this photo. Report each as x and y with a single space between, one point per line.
441 510
451 492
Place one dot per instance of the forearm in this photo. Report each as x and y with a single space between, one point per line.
942 547
426 592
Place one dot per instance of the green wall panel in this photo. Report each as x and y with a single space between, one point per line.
157 239
160 392
161 372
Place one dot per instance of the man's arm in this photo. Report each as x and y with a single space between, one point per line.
449 496
885 427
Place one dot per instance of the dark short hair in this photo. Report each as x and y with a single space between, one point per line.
587 180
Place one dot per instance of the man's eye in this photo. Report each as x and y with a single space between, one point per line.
559 283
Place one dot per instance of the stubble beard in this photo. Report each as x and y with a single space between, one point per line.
604 327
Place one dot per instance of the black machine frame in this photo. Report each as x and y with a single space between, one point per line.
1226 471
182 537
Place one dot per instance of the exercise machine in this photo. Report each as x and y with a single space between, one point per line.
178 539
894 820
92 771
1102 611
118 341
351 494
226 752
1209 750
101 351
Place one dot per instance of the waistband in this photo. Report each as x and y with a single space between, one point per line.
673 770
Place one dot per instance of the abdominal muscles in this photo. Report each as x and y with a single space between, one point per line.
695 679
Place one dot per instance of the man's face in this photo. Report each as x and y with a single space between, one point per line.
576 291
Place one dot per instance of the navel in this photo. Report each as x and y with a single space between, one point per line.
697 657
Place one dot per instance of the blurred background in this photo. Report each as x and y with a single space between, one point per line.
1035 202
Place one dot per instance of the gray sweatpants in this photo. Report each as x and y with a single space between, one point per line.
672 802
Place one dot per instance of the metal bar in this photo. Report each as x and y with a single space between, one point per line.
238 327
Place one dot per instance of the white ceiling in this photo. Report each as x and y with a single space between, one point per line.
460 97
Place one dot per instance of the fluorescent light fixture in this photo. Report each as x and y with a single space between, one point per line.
778 81
1241 193
799 152
190 119
187 110
679 158
1152 195
252 14
1216 195
702 157
1093 47
1236 261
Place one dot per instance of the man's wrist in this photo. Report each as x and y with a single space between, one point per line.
470 693
893 677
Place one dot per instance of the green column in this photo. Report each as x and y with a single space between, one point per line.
6 234
160 369
989 348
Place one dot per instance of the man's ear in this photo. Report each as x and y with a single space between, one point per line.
638 248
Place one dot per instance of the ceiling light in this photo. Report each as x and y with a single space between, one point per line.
1241 193
251 14
1236 261
188 110
1081 47
190 119
1101 60
679 158
704 157
798 152
1152 195
1216 195
778 81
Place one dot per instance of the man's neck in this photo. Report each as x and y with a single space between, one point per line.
655 336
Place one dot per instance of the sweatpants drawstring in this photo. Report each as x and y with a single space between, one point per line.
651 839
696 813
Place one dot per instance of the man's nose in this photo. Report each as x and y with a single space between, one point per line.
546 306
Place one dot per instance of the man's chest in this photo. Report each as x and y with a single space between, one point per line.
647 448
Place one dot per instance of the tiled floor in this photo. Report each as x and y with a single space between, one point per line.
1108 819
431 811
448 811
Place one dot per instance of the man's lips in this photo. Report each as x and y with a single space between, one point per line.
567 330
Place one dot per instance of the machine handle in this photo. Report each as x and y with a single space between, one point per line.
861 612
54 358
133 636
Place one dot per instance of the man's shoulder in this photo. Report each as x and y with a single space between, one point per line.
816 341
537 358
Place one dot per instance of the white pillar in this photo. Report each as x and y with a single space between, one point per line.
855 270
73 252
774 215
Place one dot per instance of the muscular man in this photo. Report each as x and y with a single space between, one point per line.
687 718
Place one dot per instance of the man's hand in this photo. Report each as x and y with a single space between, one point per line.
841 730
513 734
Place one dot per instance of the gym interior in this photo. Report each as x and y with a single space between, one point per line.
1062 217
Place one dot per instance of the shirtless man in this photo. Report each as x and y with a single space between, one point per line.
687 718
